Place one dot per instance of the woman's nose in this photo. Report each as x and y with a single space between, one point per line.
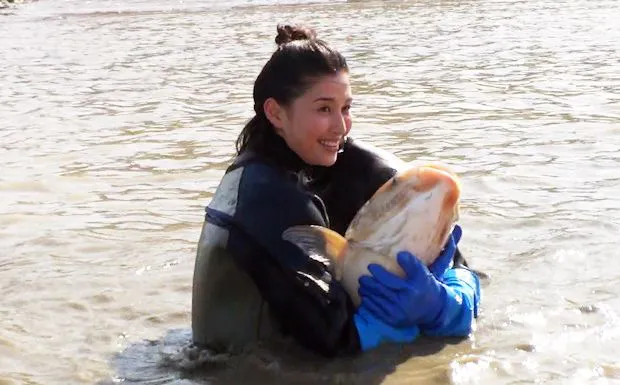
339 124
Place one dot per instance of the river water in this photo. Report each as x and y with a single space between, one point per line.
117 119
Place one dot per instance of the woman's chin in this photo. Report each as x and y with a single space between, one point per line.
323 157
327 160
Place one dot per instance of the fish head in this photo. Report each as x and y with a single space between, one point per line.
414 211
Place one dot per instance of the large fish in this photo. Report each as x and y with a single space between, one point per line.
415 211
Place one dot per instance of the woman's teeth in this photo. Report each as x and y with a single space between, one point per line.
331 144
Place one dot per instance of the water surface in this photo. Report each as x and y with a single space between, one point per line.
118 119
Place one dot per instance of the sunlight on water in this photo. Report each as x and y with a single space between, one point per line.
119 118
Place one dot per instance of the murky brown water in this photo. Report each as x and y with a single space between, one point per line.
117 120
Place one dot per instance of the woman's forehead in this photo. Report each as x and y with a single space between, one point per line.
330 86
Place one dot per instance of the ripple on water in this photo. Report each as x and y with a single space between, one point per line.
119 118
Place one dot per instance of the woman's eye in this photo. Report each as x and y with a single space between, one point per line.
346 109
324 109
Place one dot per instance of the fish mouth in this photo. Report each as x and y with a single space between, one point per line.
421 200
430 176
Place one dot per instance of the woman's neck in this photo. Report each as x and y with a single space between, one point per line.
273 147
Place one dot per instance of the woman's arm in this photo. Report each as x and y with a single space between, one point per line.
310 306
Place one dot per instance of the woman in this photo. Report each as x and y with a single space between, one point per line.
293 158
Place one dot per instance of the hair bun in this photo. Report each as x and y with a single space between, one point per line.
288 33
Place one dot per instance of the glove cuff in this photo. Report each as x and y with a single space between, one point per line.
468 282
461 289
372 332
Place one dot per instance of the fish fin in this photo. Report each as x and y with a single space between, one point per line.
320 243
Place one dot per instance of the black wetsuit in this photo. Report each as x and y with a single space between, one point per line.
250 284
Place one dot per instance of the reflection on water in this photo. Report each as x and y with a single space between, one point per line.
119 118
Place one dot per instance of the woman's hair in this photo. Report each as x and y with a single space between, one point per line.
298 61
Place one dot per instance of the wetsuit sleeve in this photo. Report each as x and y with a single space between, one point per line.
461 304
310 306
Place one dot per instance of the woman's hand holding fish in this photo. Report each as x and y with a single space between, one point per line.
443 262
439 308
372 331
417 299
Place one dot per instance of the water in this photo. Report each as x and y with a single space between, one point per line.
118 119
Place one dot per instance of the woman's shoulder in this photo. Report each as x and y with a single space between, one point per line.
254 179
260 189
258 172
257 185
362 155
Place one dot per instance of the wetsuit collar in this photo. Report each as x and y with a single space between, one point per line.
282 154
273 148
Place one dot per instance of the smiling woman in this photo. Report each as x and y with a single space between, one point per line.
292 167
303 94
315 124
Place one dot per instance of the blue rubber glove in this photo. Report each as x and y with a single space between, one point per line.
384 301
445 259
417 299
463 300
373 332
421 299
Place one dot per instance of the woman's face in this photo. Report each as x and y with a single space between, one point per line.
315 124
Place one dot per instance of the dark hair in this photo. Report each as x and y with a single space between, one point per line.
299 59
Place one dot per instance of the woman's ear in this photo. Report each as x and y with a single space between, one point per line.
274 113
